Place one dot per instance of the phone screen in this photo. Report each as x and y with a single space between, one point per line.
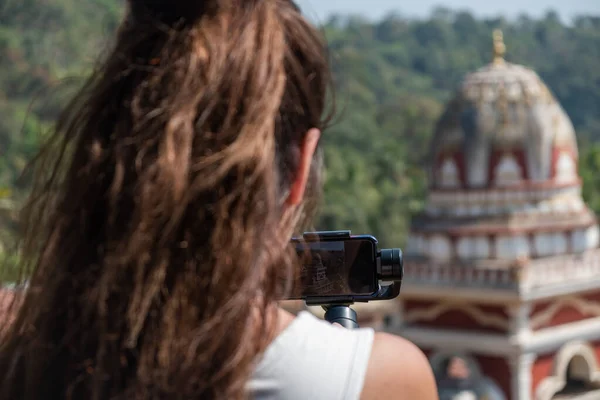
337 268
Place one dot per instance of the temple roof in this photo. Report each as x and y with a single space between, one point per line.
505 188
502 108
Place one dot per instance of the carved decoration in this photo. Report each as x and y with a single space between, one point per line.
583 306
481 317
507 247
533 274
522 198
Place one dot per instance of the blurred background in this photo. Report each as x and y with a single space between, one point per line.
396 65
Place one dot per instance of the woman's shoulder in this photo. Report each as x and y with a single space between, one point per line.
398 369
313 359
394 367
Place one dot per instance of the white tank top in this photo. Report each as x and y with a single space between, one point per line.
313 360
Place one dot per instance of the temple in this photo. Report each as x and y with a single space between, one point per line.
502 269
501 284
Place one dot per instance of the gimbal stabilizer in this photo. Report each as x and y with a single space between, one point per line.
390 271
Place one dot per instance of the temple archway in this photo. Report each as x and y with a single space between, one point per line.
566 169
575 374
449 175
508 172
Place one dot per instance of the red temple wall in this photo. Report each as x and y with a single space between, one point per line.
565 314
454 318
496 368
541 369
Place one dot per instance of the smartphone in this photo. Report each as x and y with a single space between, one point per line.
339 267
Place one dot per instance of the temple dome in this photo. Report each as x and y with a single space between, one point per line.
504 179
503 128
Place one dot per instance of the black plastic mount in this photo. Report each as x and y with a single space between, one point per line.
341 314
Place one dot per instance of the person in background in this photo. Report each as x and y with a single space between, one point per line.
158 229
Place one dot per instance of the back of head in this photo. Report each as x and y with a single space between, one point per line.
156 230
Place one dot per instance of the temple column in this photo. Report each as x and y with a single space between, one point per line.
521 376
520 364
518 315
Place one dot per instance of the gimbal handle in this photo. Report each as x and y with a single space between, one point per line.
341 314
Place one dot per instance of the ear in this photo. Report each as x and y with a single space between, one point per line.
307 150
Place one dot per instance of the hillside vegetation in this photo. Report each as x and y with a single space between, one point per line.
392 77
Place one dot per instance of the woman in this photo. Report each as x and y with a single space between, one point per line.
158 233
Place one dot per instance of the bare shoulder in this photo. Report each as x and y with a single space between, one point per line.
398 370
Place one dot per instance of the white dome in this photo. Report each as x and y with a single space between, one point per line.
504 110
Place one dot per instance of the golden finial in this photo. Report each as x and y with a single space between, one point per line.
499 47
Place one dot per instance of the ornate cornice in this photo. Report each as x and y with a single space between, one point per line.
496 344
528 226
583 306
523 185
483 318
502 280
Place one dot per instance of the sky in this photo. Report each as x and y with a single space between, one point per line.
319 10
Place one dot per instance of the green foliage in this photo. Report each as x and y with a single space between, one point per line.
9 271
589 166
392 78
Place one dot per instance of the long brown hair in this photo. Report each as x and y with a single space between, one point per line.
156 228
